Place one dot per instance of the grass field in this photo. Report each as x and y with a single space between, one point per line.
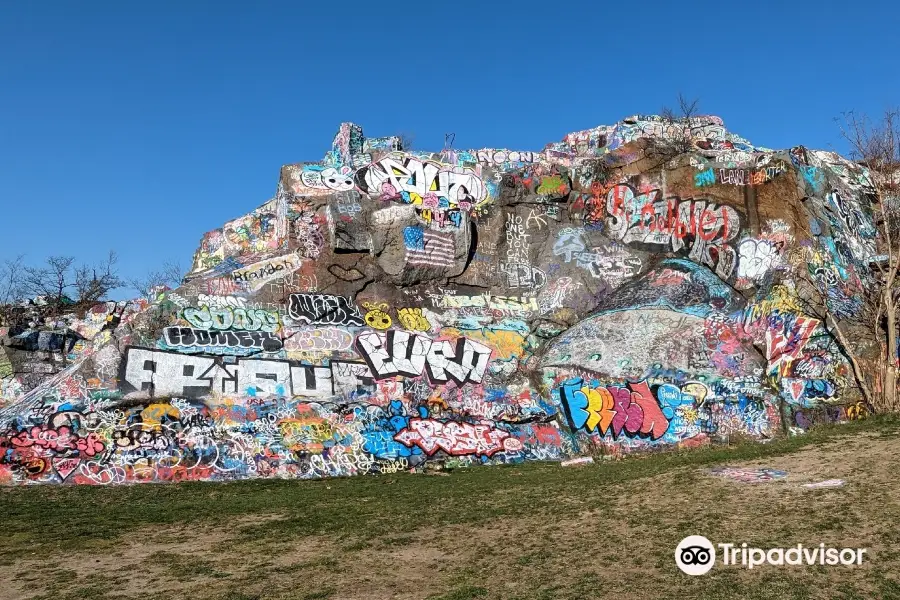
537 531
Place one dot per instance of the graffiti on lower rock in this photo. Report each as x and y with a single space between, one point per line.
324 309
232 318
403 353
456 439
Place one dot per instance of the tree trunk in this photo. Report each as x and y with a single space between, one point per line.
849 353
890 371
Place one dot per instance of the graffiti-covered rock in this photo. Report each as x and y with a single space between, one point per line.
630 287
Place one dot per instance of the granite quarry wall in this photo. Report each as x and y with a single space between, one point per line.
627 288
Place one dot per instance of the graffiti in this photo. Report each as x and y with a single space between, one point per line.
412 319
568 244
377 317
614 409
857 224
440 217
749 475
324 309
590 207
214 301
518 268
739 176
402 353
213 286
392 214
156 373
554 186
348 205
494 303
256 232
256 275
599 307
810 414
704 178
813 176
260 232
652 221
305 229
339 180
613 266
65 466
555 295
498 157
523 276
456 439
320 339
216 341
232 318
424 183
428 248
756 258
807 392
859 410
58 440
786 336
536 218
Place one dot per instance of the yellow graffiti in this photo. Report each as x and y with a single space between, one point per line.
857 411
697 390
305 435
689 414
154 414
413 319
377 317
781 299
506 344
599 408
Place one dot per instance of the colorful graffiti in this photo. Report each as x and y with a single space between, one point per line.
388 308
420 182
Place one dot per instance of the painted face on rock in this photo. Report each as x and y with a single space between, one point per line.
337 180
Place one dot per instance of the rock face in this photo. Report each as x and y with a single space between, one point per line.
628 288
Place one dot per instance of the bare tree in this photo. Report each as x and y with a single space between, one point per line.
870 327
92 284
671 133
876 146
405 141
11 272
848 331
59 277
169 275
50 281
687 110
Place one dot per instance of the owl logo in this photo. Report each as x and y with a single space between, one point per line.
377 317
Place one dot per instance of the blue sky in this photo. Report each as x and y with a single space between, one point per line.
139 126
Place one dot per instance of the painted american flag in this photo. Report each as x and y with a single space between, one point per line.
430 248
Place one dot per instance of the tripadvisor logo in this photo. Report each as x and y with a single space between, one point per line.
696 555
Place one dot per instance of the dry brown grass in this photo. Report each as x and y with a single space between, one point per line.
531 532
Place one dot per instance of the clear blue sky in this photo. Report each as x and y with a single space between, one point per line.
139 126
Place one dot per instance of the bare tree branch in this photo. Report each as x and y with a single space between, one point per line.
875 145
170 275
11 285
94 283
50 282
